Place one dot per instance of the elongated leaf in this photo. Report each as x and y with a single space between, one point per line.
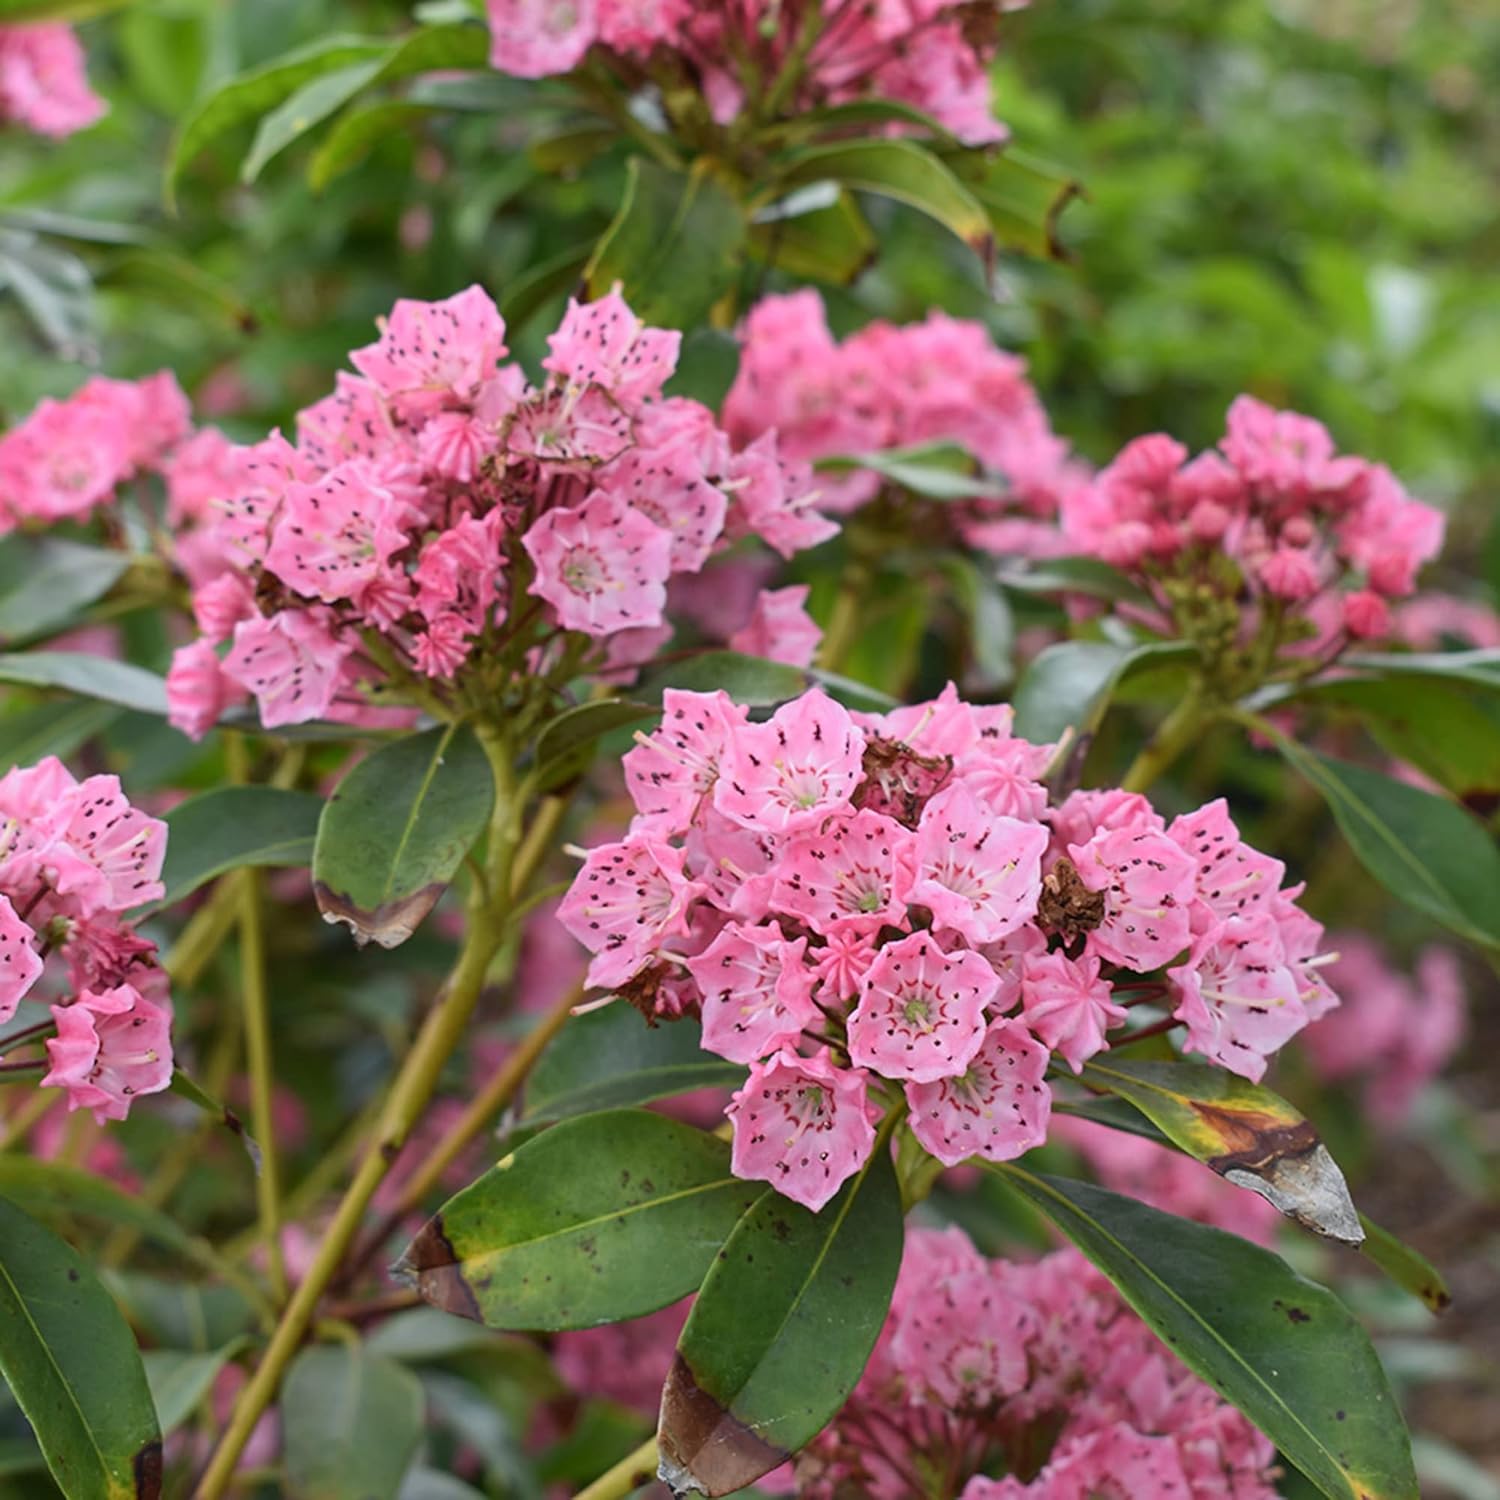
179 1380
50 729
357 132
545 279
1408 1268
1424 849
61 578
1074 575
1022 196
610 1058
1248 1135
395 831
830 242
1069 686
603 1217
780 1332
72 1365
1281 1348
898 169
1480 668
936 471
235 826
674 245
351 1424
119 682
577 728
52 286
252 94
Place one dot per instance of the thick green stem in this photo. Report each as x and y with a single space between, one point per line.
409 1095
1177 731
626 1477
258 1055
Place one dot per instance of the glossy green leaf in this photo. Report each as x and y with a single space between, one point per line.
991 633
936 471
72 1365
707 365
1408 1268
396 829
50 729
555 276
180 1380
578 728
60 579
118 682
179 1314
1022 196
252 94
1281 1348
780 1332
351 1424
610 1058
357 132
1247 1134
674 245
830 242
898 169
603 1217
1424 849
1069 686
235 826
53 288
1074 575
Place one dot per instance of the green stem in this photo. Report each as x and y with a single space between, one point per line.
790 73
843 623
1173 736
259 1058
408 1098
626 1477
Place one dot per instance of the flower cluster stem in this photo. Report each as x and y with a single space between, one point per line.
627 1476
1180 729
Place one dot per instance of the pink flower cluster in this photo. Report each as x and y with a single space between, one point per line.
869 908
68 457
1037 1372
75 857
435 489
43 86
930 54
889 386
1395 1031
1308 528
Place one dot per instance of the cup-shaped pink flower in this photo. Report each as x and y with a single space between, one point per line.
111 1047
1148 883
793 770
977 873
757 993
603 566
292 663
118 849
780 628
429 352
921 1011
674 768
802 1125
198 690
604 343
20 963
625 900
851 869
1233 879
1068 1005
997 1108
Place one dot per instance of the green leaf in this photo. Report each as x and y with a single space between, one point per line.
1408 1268
535 287
60 578
179 1380
706 366
118 682
780 1331
898 169
13 12
357 132
1424 849
610 1058
603 1217
54 290
1022 196
991 635
674 245
937 471
830 241
576 729
182 1314
1074 575
1248 1135
234 826
50 729
1069 686
396 829
1281 1348
351 1424
250 95
72 1365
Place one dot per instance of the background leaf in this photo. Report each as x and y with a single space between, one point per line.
118 682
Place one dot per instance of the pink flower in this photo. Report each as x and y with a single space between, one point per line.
921 1011
115 850
42 80
802 1125
793 770
20 963
1291 574
1068 1005
1148 886
774 499
454 445
1238 997
998 1108
849 872
627 897
292 663
671 772
757 996
110 1048
537 38
978 874
1367 616
353 421
603 567
603 343
668 486
198 691
1289 457
1232 878
780 628
429 352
